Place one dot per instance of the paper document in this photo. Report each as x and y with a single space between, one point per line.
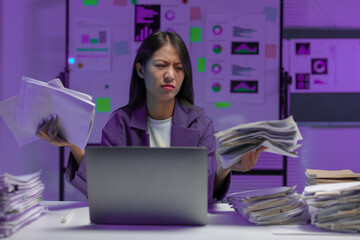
20 198
270 206
280 137
334 206
314 176
37 100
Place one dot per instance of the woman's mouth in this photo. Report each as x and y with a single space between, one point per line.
168 87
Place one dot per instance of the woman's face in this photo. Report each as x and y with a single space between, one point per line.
163 74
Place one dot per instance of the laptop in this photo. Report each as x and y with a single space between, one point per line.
143 185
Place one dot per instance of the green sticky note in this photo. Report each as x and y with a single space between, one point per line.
195 34
134 2
103 105
94 40
222 105
201 64
90 2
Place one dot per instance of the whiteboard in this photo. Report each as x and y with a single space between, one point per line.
233 45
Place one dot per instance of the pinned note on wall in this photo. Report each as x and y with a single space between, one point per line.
270 13
90 2
195 34
121 48
201 64
103 105
222 105
120 2
270 50
195 13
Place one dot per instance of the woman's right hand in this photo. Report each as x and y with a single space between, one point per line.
47 130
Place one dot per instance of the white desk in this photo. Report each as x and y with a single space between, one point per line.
223 223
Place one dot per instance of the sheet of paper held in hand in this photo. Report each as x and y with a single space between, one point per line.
279 136
37 100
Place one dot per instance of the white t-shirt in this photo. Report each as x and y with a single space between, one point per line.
159 132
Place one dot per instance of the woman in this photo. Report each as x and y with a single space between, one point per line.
160 113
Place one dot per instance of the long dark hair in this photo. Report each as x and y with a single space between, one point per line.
148 47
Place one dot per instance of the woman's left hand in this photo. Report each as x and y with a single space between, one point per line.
248 160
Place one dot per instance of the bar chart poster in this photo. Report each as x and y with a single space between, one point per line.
147 20
92 45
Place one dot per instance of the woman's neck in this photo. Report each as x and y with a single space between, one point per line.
160 110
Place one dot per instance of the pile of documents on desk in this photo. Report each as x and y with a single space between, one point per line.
314 176
334 206
279 136
19 201
280 205
37 100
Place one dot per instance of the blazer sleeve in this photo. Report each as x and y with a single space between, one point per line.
111 136
208 140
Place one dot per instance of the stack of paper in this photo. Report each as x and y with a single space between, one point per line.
37 100
19 201
281 205
334 206
314 176
279 136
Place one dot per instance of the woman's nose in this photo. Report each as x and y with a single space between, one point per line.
169 75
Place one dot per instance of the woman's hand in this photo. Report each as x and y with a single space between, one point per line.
248 160
47 130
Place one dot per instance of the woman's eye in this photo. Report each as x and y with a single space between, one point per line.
160 65
179 68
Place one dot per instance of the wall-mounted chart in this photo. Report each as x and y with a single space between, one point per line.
92 45
325 65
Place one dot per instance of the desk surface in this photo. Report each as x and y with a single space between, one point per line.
223 223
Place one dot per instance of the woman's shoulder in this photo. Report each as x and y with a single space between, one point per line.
193 109
120 117
195 113
122 112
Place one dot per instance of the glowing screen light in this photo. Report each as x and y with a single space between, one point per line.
71 60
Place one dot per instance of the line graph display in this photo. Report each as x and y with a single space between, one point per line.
147 20
249 48
244 86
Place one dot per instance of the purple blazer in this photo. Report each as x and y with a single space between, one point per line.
190 127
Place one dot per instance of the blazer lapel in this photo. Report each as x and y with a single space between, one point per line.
181 133
138 121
